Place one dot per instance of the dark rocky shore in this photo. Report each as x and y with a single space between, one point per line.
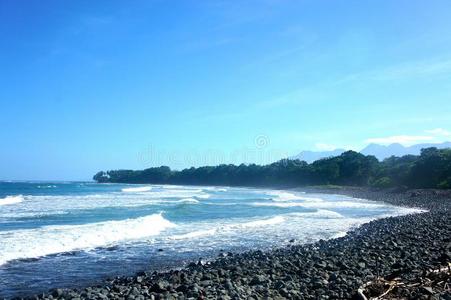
405 257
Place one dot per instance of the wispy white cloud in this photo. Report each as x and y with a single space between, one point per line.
404 71
401 139
393 73
439 132
325 147
436 135
413 69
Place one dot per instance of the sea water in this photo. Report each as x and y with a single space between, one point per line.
70 234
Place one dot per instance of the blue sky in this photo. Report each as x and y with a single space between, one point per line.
91 85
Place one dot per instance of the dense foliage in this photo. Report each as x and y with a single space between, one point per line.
431 169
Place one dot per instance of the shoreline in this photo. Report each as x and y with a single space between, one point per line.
404 247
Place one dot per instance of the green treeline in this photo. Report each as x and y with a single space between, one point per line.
430 169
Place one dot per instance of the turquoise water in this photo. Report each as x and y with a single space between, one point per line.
68 234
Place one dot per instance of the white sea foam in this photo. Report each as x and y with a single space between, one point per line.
137 189
175 194
215 189
181 187
46 186
286 196
339 234
33 214
282 195
319 214
11 200
194 188
329 204
264 222
273 204
324 218
226 228
188 200
345 204
401 211
310 199
54 204
194 234
32 243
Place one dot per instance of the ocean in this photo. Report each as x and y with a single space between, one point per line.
70 234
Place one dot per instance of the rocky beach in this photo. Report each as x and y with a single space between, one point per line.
406 257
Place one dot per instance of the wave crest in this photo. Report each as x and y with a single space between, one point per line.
188 200
137 189
8 200
286 196
32 243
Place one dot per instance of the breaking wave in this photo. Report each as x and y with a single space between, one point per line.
286 196
188 200
137 189
8 200
38 242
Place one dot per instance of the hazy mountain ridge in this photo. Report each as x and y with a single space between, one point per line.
311 156
380 151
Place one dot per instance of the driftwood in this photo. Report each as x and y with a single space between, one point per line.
432 282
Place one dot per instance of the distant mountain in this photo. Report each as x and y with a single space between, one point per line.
380 151
311 156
